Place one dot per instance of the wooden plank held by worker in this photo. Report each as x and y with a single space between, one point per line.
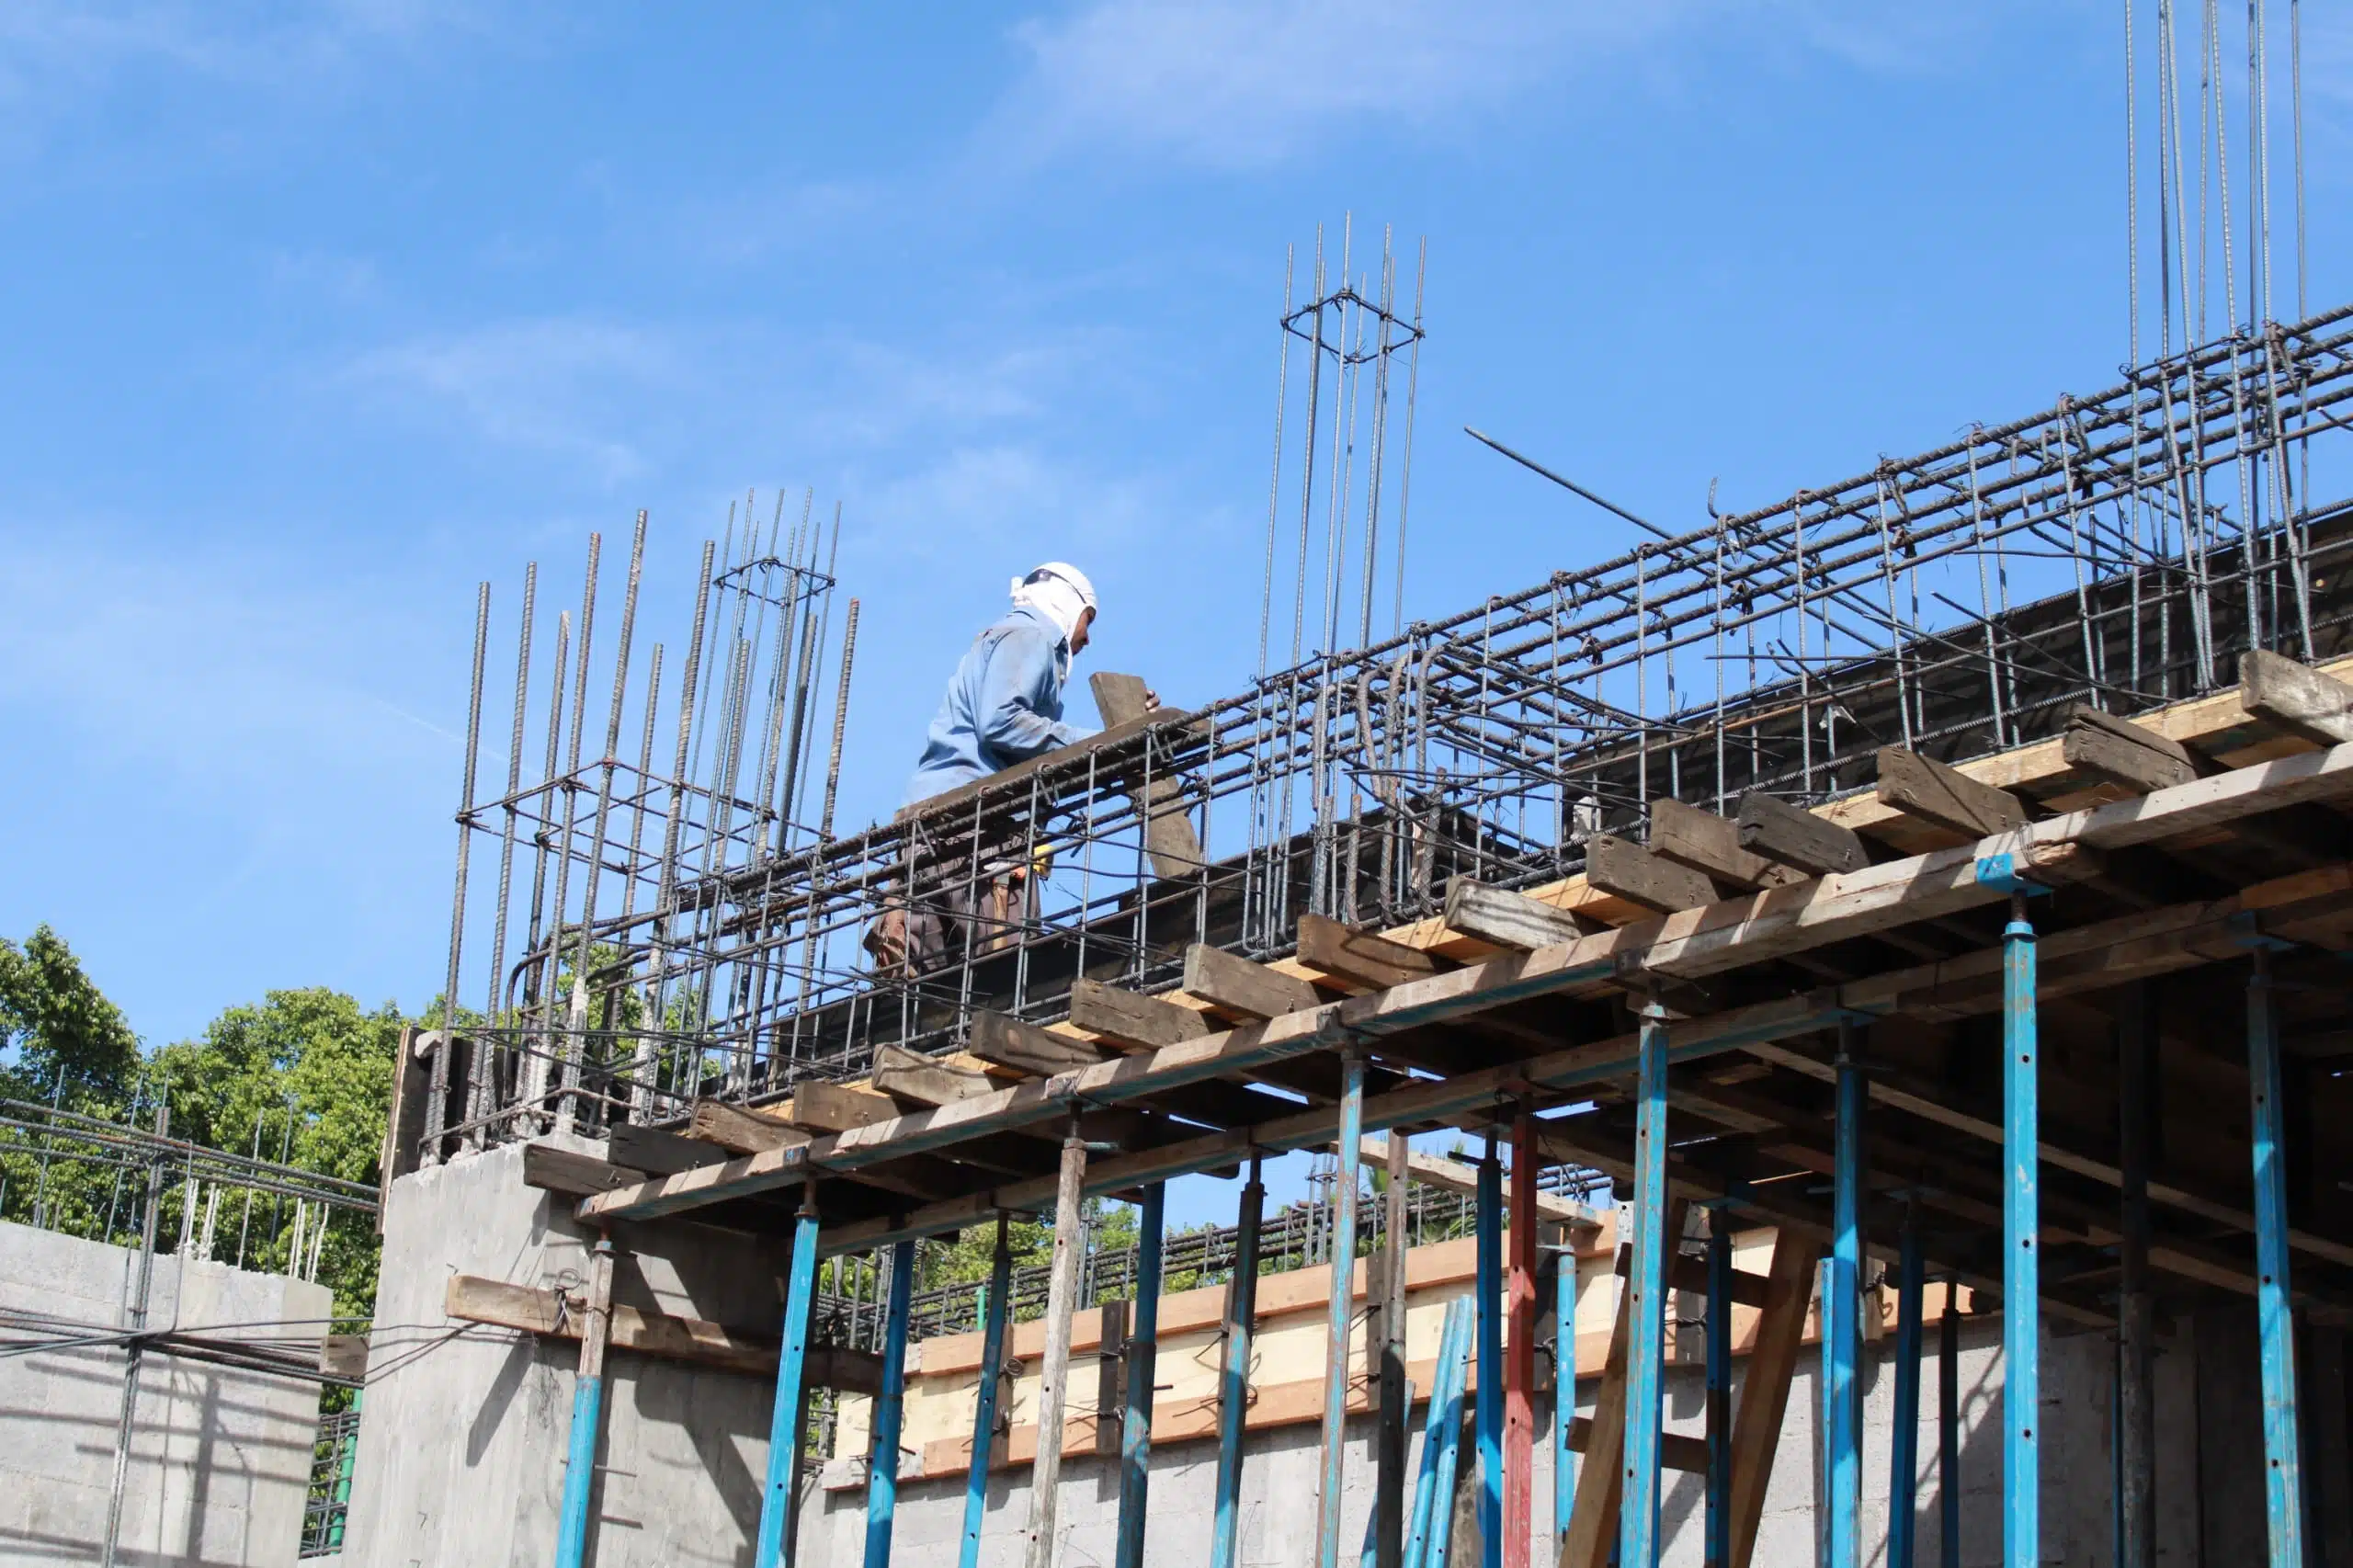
1168 835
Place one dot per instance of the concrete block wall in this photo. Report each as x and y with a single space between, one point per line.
220 1458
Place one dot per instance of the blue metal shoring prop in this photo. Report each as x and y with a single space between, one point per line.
1439 1549
1949 1426
889 1408
1489 1220
1638 1533
2283 1470
588 1411
1332 1495
1716 1543
1842 1316
1234 1381
1439 1438
2022 1265
1903 1441
1565 1388
976 1479
1135 1423
784 1421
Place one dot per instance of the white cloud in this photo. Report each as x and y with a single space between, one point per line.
984 497
1242 83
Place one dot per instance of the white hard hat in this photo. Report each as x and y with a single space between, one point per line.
1064 572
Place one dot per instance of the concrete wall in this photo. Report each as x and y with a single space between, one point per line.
220 1458
461 1456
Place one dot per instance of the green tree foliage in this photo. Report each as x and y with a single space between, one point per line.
59 1036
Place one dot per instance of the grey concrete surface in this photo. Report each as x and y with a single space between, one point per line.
220 1458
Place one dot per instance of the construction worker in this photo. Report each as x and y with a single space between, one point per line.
1004 706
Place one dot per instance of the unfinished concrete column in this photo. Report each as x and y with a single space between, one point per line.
1054 1371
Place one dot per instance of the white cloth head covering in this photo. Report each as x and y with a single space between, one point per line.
1058 591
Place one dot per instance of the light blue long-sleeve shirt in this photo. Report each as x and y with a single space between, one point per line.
1004 705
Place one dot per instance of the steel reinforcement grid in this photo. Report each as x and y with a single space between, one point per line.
680 918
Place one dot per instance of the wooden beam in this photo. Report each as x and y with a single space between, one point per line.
1764 1390
1238 989
1360 957
1703 842
1593 1516
1923 787
471 1299
2101 745
1512 921
1623 869
744 1130
1772 829
820 1107
956 805
1168 837
551 1168
1009 1042
2295 697
663 1153
1432 1170
911 1078
1132 1018
1675 1451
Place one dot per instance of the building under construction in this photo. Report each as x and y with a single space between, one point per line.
1881 950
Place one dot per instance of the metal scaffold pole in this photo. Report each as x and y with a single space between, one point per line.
890 1409
784 1421
1638 1537
1490 1403
588 1410
1136 1429
1333 1490
999 1308
1841 1317
2021 1269
2282 1435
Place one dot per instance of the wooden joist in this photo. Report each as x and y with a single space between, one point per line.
1511 920
820 1107
1923 787
1132 1020
549 1314
663 1153
1453 1176
1703 842
1360 958
911 1078
2100 745
1009 1042
550 1167
1236 988
2296 698
1772 829
1623 869
743 1132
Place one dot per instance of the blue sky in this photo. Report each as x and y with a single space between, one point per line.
321 314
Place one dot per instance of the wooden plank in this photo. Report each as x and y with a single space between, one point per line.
1131 1018
1764 1390
911 1078
1009 1042
1238 989
1772 829
550 1167
1923 787
742 1130
472 1299
957 803
660 1154
1704 842
1110 1377
2100 745
820 1107
1625 869
1168 837
1593 1514
2297 698
1432 1170
1360 957
1512 921
1676 1451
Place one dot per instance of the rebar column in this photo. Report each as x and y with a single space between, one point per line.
784 1420
1638 1542
890 1407
1135 1427
1053 1369
2282 1440
1331 1496
1233 1376
2022 1265
976 1479
587 1409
